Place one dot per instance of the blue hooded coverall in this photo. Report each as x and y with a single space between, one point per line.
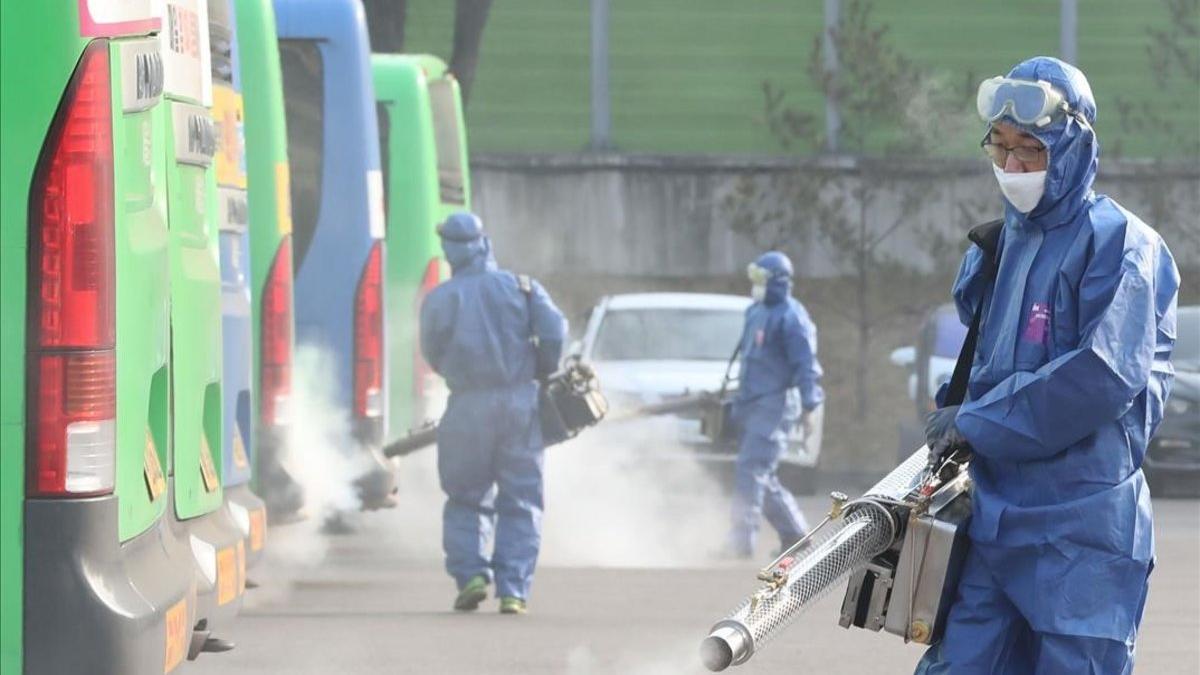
475 332
779 357
1068 384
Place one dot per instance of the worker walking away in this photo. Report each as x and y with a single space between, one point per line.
1071 374
492 340
779 387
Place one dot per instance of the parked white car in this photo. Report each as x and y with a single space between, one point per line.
930 362
650 347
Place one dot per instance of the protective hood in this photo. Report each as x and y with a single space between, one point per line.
464 244
779 276
1072 145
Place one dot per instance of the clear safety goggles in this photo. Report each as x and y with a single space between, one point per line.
759 276
1029 103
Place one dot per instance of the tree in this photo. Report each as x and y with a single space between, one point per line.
470 16
893 113
1168 125
1173 52
386 22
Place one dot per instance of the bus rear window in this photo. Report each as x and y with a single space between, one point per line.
304 100
446 136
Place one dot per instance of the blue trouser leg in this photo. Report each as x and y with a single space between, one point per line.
1083 655
465 470
782 512
518 504
752 472
985 633
1058 653
758 490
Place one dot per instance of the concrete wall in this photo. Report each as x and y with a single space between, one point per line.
595 225
663 217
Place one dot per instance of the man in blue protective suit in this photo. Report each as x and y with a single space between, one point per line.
1068 384
779 386
492 338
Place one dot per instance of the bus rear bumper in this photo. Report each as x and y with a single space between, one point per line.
250 514
218 563
96 605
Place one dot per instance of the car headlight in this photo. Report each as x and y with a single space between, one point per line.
1180 406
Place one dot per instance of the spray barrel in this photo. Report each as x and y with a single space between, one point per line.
416 439
687 402
850 543
851 535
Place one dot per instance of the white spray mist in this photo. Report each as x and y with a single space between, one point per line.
619 495
323 457
630 495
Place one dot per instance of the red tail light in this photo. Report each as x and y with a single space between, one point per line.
423 376
276 357
368 337
72 325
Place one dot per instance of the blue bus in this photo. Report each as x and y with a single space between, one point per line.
337 218
233 226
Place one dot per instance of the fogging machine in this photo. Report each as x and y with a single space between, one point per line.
901 546
568 402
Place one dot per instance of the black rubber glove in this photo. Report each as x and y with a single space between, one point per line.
942 434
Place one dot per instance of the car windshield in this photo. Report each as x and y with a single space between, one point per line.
1187 338
668 334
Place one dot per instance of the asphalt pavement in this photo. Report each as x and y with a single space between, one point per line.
619 592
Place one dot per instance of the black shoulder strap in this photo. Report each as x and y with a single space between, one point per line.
737 351
525 283
987 238
729 366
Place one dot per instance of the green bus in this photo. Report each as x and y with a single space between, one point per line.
235 232
423 148
269 200
202 516
95 577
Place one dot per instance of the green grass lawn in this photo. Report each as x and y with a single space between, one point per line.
686 75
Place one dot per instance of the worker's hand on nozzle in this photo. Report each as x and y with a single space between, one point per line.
942 435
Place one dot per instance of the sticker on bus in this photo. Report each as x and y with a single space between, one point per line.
156 483
283 197
185 51
229 119
239 448
227 575
208 471
258 529
176 638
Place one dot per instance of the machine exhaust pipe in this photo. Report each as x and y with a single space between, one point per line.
793 584
728 642
851 535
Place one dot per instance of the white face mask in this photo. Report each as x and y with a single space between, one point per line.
758 292
1023 190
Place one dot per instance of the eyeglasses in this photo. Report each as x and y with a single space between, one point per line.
1024 154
